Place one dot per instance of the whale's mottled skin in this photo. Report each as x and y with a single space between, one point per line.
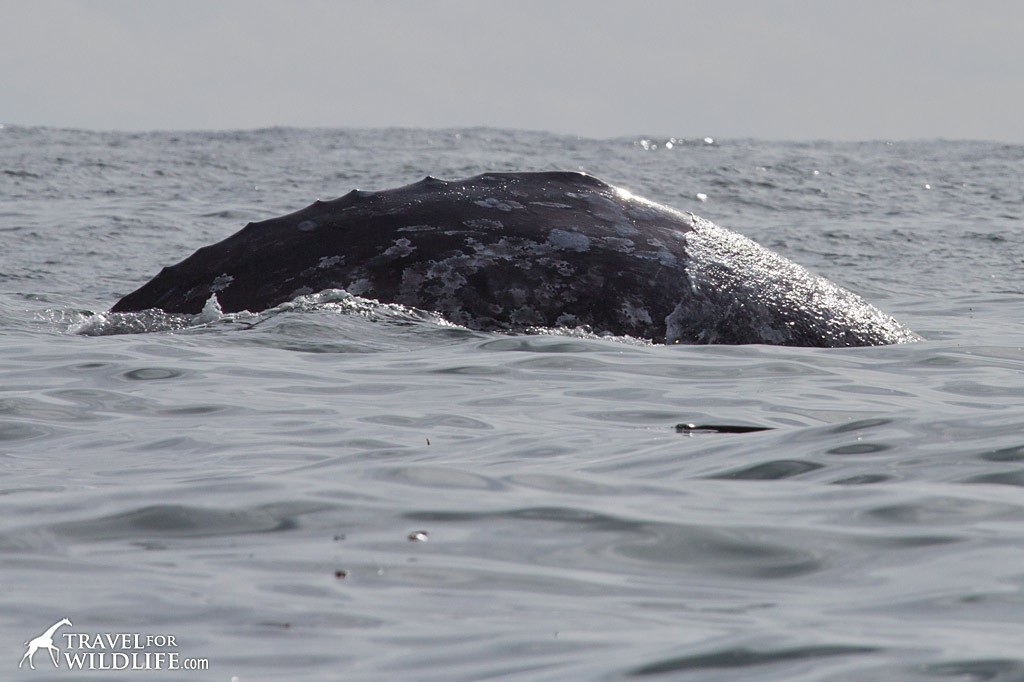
510 251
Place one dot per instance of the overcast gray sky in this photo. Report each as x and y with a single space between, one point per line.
791 69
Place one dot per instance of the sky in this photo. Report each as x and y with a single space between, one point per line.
773 69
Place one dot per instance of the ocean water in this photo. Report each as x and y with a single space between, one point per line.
352 492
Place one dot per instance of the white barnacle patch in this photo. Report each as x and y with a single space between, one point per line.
359 287
306 226
519 296
221 283
635 314
562 267
446 274
330 261
499 250
624 229
505 206
570 241
525 315
403 247
412 282
484 224
620 244
567 320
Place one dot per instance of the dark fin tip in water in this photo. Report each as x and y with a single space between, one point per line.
719 428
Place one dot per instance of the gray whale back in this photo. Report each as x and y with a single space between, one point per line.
509 251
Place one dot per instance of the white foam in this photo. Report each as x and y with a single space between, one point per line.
211 312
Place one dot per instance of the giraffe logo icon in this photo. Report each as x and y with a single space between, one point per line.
44 641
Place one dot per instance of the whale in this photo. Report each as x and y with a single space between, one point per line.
521 251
